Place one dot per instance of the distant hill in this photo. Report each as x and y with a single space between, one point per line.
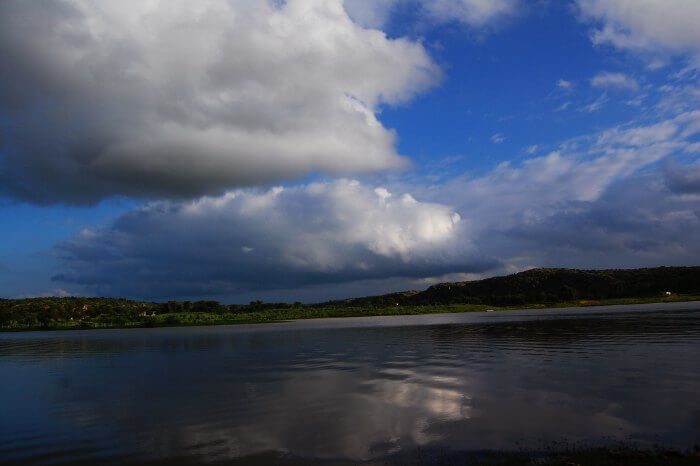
543 286
534 287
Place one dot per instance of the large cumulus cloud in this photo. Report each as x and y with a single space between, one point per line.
199 100
603 200
280 238
179 98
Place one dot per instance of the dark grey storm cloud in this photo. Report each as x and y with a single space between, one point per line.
637 222
683 179
282 238
182 99
256 242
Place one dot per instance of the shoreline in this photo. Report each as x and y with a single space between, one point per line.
359 316
617 454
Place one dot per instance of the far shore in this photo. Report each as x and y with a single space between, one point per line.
305 313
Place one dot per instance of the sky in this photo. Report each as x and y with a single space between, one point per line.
306 150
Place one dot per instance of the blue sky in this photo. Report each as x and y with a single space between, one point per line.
306 150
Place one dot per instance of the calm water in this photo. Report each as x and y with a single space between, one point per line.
357 389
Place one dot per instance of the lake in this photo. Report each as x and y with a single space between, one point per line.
353 389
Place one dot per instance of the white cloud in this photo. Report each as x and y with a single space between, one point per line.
563 106
597 104
608 79
649 26
498 138
370 13
678 99
579 171
657 64
473 13
564 84
530 150
181 99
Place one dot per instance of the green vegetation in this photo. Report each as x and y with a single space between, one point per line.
81 313
534 289
90 313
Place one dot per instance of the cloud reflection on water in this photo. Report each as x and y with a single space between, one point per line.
361 393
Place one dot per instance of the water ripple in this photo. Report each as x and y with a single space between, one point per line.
355 392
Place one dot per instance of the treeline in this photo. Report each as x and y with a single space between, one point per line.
537 286
44 312
546 286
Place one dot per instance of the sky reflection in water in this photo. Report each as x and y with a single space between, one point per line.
353 393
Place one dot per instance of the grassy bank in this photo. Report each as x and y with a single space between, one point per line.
138 315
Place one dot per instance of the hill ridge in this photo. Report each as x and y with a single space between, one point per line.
544 285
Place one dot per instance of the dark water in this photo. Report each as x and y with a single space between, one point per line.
356 389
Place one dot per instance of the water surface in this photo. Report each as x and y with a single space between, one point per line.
353 389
